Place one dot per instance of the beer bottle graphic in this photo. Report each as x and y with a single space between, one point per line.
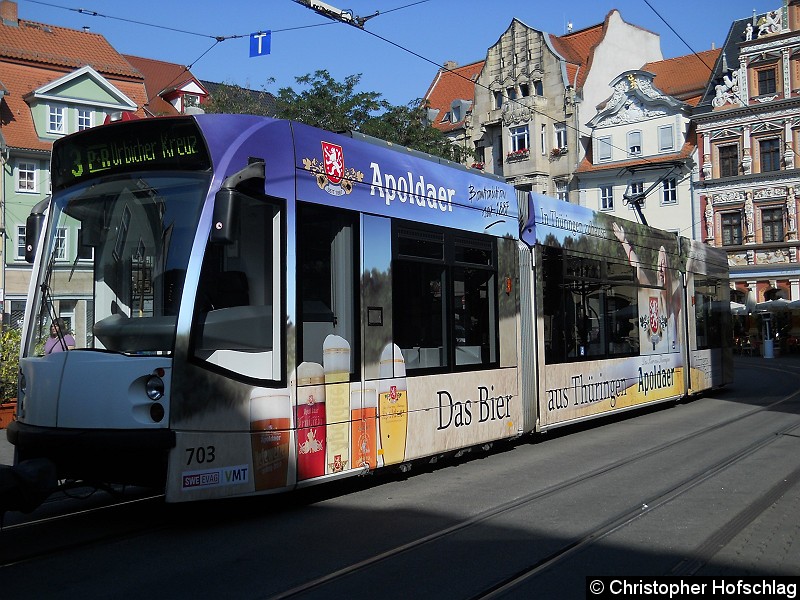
308 383
363 412
270 421
392 405
336 364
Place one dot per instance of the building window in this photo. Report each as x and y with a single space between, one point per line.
731 229
729 160
191 101
520 140
524 90
604 148
770 152
634 143
85 119
20 242
772 224
26 176
560 130
498 98
562 192
766 81
60 250
511 93
670 189
606 197
543 139
57 120
666 138
636 193
538 87
84 252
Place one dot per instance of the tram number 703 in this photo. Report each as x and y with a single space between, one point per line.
200 455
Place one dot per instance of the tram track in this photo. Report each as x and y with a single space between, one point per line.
65 531
611 525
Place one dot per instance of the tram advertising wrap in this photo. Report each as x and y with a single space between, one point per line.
610 318
263 305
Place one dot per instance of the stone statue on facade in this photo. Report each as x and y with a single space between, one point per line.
727 91
749 215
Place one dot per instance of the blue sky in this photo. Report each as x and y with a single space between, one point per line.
429 32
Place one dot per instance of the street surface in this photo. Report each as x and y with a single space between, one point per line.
706 487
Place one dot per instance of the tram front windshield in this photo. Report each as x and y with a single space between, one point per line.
113 269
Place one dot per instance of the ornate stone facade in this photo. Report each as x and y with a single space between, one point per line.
748 128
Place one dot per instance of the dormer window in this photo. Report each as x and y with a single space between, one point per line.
85 118
191 100
57 120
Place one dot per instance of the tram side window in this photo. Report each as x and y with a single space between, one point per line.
445 299
327 281
589 306
238 309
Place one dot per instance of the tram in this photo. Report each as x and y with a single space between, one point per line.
257 305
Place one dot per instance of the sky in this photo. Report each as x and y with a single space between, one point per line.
397 54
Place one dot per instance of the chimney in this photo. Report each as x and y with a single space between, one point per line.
449 65
8 13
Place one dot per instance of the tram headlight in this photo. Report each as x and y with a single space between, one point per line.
154 388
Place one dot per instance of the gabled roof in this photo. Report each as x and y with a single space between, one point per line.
17 122
684 77
161 79
451 84
59 48
61 89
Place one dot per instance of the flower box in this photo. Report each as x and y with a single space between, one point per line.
517 155
556 152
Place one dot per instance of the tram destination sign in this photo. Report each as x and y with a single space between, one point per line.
147 144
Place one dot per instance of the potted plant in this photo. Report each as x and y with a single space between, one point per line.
9 369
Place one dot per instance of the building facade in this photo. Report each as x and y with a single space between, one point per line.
55 81
748 133
642 148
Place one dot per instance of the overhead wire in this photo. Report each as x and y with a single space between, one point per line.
218 39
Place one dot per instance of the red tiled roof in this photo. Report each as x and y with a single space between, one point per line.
684 77
453 84
577 49
160 77
55 47
17 122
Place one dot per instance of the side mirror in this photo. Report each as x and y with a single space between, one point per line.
33 229
223 224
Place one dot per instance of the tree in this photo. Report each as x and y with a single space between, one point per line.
408 126
231 98
338 106
329 104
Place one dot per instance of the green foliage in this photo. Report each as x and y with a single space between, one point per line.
9 362
329 104
338 106
230 98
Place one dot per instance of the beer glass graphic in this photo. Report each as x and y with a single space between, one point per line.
336 365
308 382
363 412
392 405
270 421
